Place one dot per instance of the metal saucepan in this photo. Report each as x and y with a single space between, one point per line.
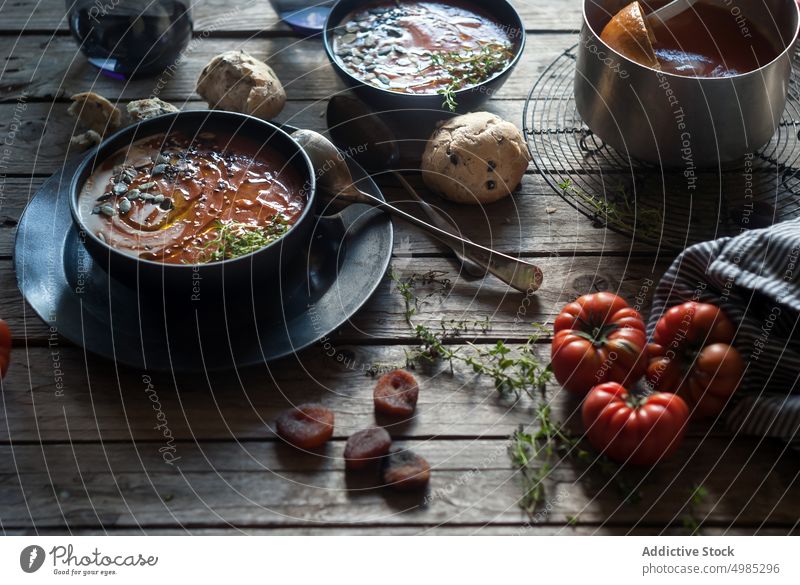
678 121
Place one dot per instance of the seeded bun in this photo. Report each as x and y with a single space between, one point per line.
238 82
94 112
475 159
148 108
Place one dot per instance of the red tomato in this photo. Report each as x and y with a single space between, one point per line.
691 355
634 430
5 348
598 338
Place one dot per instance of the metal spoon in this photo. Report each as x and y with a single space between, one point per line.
356 128
334 178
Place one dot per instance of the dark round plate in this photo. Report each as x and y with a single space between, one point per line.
347 258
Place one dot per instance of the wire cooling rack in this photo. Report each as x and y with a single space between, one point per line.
643 200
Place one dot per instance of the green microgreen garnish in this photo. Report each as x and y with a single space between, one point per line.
470 68
235 239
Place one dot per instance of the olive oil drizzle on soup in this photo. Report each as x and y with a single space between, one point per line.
186 201
422 47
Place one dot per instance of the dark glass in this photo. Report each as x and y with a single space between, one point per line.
304 16
125 38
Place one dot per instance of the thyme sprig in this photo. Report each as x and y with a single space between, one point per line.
470 68
515 374
617 210
236 239
534 455
690 519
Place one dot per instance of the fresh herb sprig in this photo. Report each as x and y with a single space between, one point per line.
618 211
690 519
236 239
515 374
470 68
534 454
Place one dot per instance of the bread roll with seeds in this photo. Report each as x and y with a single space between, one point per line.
239 82
139 110
95 112
476 158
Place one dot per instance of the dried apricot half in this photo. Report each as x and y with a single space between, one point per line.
306 426
365 447
405 470
396 393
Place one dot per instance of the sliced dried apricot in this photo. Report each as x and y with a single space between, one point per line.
405 470
396 393
365 447
306 426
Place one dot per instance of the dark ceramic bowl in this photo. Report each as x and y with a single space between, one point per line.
469 99
180 280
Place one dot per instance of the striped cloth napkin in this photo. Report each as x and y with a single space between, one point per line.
755 278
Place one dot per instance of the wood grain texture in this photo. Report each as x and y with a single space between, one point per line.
254 17
59 394
535 222
467 302
259 485
46 68
80 437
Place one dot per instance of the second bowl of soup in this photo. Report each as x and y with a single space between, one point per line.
441 55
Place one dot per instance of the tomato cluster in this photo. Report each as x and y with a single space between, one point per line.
600 350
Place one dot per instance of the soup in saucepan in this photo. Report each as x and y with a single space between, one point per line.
181 200
423 47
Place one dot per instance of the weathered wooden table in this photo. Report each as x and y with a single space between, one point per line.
81 436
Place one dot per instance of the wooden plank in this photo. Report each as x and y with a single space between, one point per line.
250 16
58 394
535 222
443 530
39 133
470 301
121 486
42 68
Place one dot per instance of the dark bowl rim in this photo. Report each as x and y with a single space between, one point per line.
74 190
520 26
789 48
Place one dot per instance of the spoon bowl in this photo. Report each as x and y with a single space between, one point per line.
334 180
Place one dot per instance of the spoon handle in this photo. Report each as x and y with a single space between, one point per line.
519 274
442 223
669 11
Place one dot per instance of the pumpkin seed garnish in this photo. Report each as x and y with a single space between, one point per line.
133 194
158 170
148 185
158 198
107 210
104 196
124 205
95 210
120 189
